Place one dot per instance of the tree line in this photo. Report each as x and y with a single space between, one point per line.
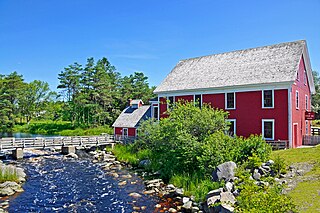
89 95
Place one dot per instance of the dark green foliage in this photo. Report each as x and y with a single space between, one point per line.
193 140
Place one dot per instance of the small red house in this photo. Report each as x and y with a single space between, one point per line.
266 90
128 121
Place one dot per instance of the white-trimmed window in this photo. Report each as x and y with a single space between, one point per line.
298 76
230 100
155 112
197 99
268 99
268 129
307 102
297 99
305 77
232 127
125 132
307 127
170 102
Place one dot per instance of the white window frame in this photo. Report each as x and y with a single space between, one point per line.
123 132
226 100
194 99
272 99
234 125
307 102
262 131
297 99
174 100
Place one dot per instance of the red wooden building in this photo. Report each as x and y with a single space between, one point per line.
266 90
128 121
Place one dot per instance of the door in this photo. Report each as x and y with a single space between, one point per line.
125 132
295 135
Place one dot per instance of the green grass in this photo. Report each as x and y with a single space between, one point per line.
307 193
125 153
8 174
195 185
63 128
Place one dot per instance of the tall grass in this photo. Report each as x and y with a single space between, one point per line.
8 173
126 153
195 184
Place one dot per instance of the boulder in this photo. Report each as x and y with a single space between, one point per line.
144 163
9 188
229 186
226 208
227 198
179 192
269 162
225 171
72 155
135 195
187 206
256 175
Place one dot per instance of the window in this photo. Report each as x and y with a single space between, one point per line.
307 127
125 132
170 102
268 129
306 103
198 100
230 100
298 75
305 77
232 127
297 99
267 97
155 112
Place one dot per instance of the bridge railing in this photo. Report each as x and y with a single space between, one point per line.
42 142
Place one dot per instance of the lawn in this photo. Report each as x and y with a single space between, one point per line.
307 193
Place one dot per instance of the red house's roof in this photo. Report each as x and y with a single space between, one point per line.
262 65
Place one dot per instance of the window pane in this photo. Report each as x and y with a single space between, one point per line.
231 128
197 100
155 112
230 100
267 132
268 99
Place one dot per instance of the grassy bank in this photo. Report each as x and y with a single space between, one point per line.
8 174
306 195
62 128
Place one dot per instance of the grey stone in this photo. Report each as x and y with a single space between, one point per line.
215 192
9 188
236 193
185 199
229 186
172 210
226 208
194 209
266 168
135 195
17 153
68 149
269 162
72 155
144 163
256 175
225 171
179 192
213 199
187 206
227 197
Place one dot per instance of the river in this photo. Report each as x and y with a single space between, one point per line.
56 184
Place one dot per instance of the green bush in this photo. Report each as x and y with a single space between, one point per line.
279 166
126 153
255 198
195 184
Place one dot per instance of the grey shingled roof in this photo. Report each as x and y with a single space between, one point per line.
268 64
130 117
136 101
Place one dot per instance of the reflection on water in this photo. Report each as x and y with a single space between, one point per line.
57 185
24 135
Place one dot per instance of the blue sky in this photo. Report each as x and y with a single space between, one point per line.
38 38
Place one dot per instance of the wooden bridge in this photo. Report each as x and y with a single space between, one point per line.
16 145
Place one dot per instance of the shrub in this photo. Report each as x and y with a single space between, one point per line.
126 153
195 184
279 166
255 198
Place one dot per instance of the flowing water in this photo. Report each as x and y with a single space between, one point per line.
56 184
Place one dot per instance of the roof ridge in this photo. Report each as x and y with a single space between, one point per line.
252 48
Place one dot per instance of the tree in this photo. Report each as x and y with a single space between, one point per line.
37 96
315 101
